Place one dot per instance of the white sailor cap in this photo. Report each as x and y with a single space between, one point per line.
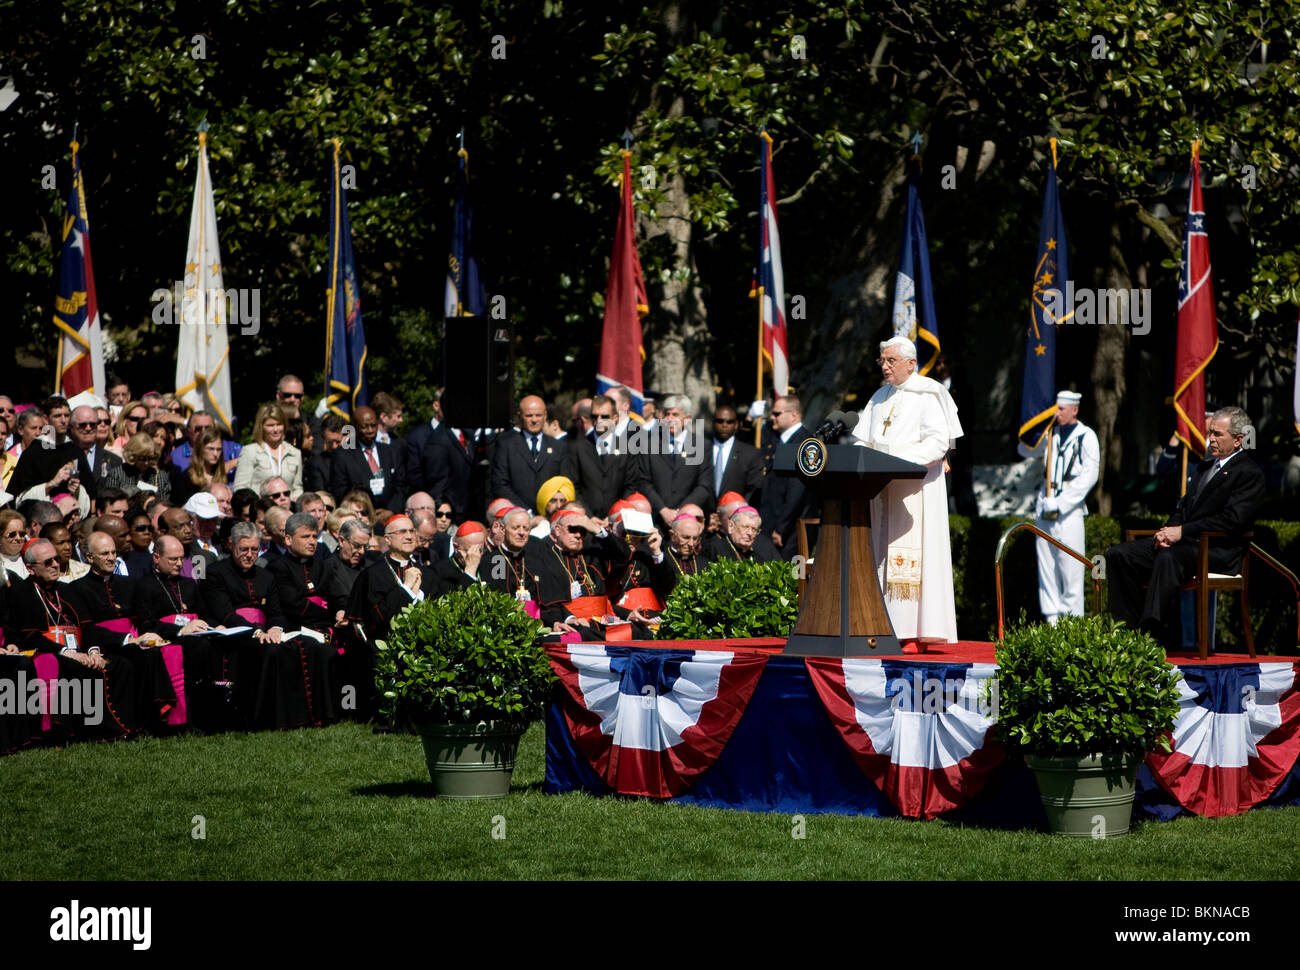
1068 397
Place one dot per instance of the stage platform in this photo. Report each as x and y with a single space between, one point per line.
734 724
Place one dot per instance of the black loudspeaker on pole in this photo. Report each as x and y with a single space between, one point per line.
479 372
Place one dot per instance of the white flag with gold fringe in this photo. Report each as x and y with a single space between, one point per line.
203 351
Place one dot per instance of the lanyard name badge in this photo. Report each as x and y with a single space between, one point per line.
377 483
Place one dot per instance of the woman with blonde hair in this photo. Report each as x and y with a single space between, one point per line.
13 536
139 471
364 505
270 455
129 420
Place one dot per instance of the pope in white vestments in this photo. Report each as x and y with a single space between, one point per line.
913 418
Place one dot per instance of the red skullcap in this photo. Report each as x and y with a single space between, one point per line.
730 497
469 529
561 513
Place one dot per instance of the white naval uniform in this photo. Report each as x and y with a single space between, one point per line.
1076 461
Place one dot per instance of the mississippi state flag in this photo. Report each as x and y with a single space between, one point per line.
919 731
1198 329
650 721
769 276
1236 738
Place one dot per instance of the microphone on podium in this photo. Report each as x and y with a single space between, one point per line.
837 423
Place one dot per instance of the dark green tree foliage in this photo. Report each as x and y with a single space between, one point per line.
733 600
466 657
543 92
1088 685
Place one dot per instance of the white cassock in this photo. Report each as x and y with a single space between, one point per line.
1075 457
916 421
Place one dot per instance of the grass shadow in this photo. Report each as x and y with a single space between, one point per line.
397 789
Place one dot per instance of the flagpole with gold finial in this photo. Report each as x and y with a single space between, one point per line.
334 271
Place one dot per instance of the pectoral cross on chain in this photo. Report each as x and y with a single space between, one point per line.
888 420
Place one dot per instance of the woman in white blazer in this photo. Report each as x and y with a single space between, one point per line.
269 456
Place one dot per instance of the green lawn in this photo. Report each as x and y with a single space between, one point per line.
342 803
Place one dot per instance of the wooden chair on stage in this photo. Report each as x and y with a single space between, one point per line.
1205 583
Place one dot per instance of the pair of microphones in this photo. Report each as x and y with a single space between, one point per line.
836 425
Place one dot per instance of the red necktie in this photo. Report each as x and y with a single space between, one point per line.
370 457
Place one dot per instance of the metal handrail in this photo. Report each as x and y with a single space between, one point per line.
1002 548
1291 577
1096 582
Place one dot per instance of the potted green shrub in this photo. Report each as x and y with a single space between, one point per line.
467 671
1084 701
732 600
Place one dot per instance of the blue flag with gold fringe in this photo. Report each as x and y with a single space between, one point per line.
1047 311
914 316
345 388
465 294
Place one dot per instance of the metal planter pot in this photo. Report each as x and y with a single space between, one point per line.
470 760
1089 796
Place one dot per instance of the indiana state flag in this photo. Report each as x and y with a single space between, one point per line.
1047 311
76 311
346 340
465 295
914 316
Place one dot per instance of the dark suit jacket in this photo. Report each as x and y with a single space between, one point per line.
349 469
37 465
744 472
412 447
442 468
1228 502
785 501
670 480
604 479
517 475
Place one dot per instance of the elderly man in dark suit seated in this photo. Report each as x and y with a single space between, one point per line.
1223 496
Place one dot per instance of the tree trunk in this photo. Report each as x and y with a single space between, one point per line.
1108 380
676 331
843 345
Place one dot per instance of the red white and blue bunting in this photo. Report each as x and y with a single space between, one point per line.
919 731
652 721
1236 738
649 721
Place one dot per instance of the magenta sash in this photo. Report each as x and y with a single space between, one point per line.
319 601
532 609
122 624
179 619
47 668
172 659
251 614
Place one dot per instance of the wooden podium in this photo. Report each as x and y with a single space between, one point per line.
843 613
